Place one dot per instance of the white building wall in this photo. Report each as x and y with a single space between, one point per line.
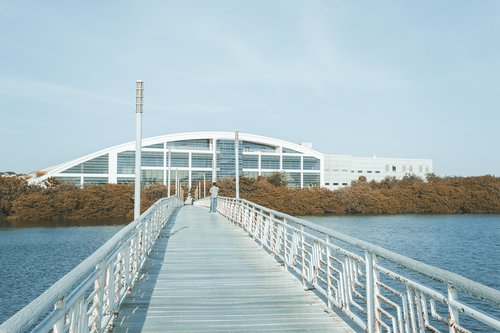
341 170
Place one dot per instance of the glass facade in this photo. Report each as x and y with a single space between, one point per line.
291 162
151 177
290 151
270 162
197 176
152 158
226 163
311 163
156 145
293 179
96 165
183 176
125 180
94 180
250 162
250 174
74 180
180 160
126 162
201 160
257 147
195 144
311 179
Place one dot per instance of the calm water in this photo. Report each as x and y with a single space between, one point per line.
32 259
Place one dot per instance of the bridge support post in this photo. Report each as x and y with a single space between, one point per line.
370 292
59 326
452 312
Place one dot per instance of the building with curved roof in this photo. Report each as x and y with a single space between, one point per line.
196 156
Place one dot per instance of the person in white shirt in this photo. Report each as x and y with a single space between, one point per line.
214 193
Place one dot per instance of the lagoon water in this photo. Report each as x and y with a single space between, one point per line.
32 259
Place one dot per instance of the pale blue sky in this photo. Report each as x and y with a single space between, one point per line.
410 79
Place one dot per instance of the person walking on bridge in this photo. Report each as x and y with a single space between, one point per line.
214 193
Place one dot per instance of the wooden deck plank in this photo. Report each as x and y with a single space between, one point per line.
206 275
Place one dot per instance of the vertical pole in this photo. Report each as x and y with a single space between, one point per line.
59 325
169 164
370 293
204 186
452 312
214 161
328 273
138 141
176 183
237 162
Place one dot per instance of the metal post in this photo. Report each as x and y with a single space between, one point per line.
59 325
370 293
176 183
169 167
452 312
214 161
138 141
236 162
204 186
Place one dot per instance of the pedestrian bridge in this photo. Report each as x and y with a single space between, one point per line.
249 269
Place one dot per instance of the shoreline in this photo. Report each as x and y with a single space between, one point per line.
97 222
102 222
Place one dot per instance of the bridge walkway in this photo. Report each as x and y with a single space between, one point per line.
206 275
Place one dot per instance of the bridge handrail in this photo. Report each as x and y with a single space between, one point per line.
110 271
274 231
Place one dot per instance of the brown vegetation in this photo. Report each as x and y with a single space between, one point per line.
21 202
410 195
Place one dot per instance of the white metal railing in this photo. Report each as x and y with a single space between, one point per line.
87 298
366 282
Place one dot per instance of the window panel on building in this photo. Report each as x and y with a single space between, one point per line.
99 164
180 160
152 158
125 180
311 179
197 176
183 176
291 162
95 180
290 151
74 180
194 144
311 163
156 145
151 177
226 163
126 162
250 162
293 179
201 160
250 174
269 162
257 147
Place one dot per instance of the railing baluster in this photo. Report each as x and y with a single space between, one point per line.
59 326
452 312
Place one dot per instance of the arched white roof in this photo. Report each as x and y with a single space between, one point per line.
178 137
